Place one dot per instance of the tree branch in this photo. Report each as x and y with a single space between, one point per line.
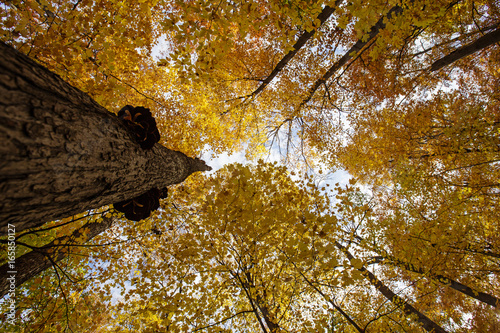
360 44
408 309
479 44
223 320
322 17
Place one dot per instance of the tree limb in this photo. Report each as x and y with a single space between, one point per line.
479 44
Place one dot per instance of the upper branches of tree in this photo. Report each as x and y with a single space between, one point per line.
481 43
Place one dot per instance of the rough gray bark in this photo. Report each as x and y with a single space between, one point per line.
33 263
62 153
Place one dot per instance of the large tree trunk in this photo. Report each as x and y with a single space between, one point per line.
36 261
61 153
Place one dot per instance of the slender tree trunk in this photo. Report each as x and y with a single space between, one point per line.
408 309
322 17
33 263
479 44
301 41
332 303
260 303
255 310
480 296
353 51
62 153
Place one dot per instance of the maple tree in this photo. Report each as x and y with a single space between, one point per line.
401 94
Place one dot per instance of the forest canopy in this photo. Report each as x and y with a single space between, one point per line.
402 97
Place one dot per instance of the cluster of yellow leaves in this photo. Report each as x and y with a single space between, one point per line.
251 246
213 30
105 49
66 286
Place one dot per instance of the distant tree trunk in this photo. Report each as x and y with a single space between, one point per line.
36 261
460 287
245 286
260 302
398 301
301 41
353 51
477 45
332 303
61 153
